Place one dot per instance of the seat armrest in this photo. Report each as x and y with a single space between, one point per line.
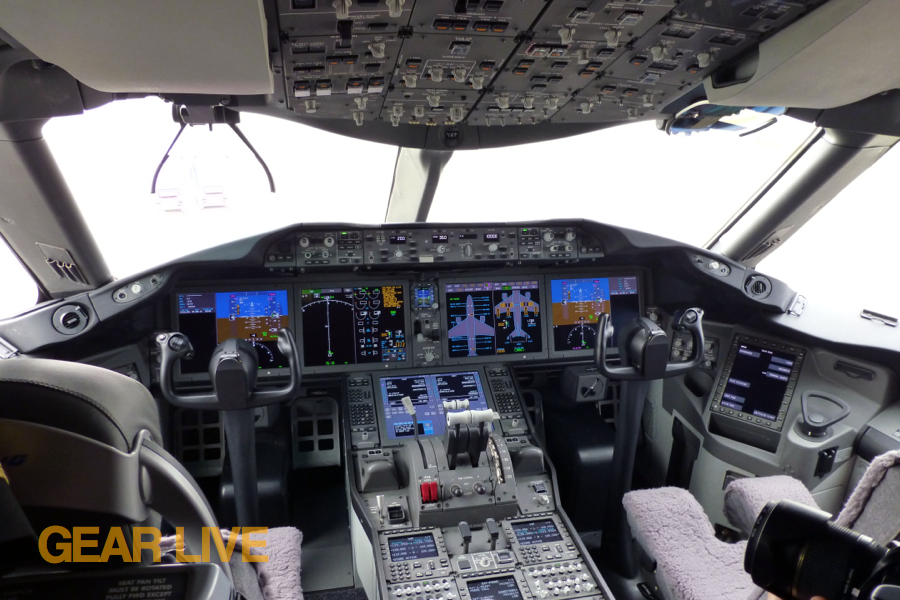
746 497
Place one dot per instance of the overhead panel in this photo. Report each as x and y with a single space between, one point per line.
607 99
511 62
324 17
475 17
336 77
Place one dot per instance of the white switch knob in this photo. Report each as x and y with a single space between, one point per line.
528 102
437 74
585 108
358 117
395 8
478 82
397 110
612 38
502 102
342 8
658 52
311 106
433 100
703 59
409 81
583 56
377 49
361 102
566 35
419 112
457 113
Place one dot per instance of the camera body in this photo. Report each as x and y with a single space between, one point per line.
795 551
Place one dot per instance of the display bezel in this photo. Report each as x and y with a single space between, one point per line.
379 399
407 323
224 289
465 360
643 291
494 577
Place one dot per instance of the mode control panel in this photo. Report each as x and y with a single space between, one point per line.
362 416
415 554
418 245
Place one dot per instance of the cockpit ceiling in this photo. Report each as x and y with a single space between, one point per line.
410 62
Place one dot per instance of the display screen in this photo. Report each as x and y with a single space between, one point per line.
424 297
440 238
353 325
493 318
412 547
500 588
210 318
467 236
492 237
577 304
536 532
428 394
758 381
398 239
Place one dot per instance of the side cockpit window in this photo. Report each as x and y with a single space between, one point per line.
19 290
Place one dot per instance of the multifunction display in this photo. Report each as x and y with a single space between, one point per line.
412 547
499 588
577 304
353 325
758 381
493 318
529 533
428 394
210 318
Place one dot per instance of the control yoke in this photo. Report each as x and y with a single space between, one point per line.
233 370
644 349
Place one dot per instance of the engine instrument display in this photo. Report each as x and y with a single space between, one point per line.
493 318
353 325
210 318
428 394
577 304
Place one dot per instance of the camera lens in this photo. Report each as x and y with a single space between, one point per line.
797 551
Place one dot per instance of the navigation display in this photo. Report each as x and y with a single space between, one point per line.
428 394
499 588
536 532
412 547
353 325
493 318
577 303
210 318
758 381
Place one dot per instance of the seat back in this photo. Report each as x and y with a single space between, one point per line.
873 508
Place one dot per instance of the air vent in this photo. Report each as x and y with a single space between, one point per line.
70 319
758 286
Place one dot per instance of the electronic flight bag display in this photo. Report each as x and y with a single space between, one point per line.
493 318
578 302
353 325
210 318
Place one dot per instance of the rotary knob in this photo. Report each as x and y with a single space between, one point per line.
329 241
456 490
468 251
493 247
304 242
479 488
325 254
548 236
570 235
398 254
429 356
441 249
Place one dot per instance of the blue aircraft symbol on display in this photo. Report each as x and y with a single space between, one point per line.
471 327
516 304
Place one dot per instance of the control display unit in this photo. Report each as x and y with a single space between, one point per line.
412 547
353 325
428 394
536 532
758 381
578 302
497 588
209 318
493 318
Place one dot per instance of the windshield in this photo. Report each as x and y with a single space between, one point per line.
852 234
681 187
211 190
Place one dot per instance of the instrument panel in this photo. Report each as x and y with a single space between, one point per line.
395 323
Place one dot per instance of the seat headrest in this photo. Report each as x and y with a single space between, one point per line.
90 401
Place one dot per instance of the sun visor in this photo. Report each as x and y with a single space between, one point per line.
176 46
841 53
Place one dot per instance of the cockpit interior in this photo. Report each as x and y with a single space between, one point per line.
464 409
